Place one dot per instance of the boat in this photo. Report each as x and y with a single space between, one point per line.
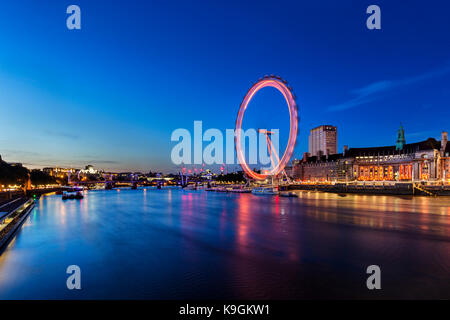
190 187
75 193
241 190
79 195
265 191
288 194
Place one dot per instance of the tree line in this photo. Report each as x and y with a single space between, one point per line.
19 175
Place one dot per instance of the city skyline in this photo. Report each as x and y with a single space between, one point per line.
192 168
111 93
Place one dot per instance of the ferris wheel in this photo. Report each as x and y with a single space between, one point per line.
278 166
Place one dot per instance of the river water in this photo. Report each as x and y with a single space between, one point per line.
175 244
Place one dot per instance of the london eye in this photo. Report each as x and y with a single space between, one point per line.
278 165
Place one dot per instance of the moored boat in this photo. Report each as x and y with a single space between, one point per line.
73 193
241 190
190 187
265 191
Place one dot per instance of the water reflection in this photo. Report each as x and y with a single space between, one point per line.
176 244
409 214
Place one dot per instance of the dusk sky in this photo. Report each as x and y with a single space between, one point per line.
111 93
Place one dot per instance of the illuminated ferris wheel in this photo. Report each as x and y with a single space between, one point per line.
278 166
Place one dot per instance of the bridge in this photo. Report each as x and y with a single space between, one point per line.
107 180
87 182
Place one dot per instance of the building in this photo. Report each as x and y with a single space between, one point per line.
445 157
59 172
427 160
89 169
323 140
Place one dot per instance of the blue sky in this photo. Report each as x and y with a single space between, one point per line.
111 93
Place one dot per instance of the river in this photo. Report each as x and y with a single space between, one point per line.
175 244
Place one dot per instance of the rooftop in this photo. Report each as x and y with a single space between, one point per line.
429 144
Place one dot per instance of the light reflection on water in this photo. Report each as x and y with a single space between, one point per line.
176 244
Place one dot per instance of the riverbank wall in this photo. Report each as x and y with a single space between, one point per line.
8 232
394 189
10 195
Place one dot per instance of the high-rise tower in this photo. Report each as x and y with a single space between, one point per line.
323 140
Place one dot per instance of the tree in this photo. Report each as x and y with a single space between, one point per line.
39 177
232 177
12 174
